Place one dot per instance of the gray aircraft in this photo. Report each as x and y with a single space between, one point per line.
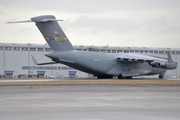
102 65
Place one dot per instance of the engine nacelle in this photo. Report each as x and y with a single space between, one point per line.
153 64
168 65
165 65
162 65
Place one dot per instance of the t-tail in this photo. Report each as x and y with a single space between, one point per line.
52 32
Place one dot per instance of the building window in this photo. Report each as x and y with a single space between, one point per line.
178 52
48 68
64 68
150 51
8 48
161 52
32 49
113 51
108 51
79 49
103 50
156 52
25 67
131 50
56 68
16 48
40 49
29 67
146 51
1 48
32 67
173 52
136 51
141 51
119 51
126 51
40 67
71 68
24 49
166 52
47 49
59 68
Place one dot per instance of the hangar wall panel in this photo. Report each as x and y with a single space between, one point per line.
1 62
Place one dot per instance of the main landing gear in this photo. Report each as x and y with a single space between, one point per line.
104 77
127 77
122 77
111 77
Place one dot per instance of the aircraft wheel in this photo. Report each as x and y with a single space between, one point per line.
120 77
129 77
99 77
110 77
104 77
161 76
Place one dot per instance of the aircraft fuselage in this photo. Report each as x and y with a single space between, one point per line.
98 63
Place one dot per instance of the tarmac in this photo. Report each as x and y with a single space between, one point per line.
91 82
89 102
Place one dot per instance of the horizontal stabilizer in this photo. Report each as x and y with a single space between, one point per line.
36 63
43 20
25 21
47 63
48 20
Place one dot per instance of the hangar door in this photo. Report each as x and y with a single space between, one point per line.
72 74
8 73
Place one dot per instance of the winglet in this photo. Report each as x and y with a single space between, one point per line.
169 57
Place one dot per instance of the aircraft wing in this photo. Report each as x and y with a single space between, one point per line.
133 57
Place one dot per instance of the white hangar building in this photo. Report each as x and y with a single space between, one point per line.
16 60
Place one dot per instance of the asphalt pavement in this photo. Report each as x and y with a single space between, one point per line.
89 103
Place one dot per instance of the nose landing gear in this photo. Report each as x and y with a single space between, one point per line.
161 76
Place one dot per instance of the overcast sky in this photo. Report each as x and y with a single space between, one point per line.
138 23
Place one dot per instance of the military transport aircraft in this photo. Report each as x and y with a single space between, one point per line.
102 65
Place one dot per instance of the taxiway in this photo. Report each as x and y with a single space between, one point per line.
89 103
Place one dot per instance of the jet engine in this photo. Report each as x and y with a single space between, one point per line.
165 65
153 64
162 65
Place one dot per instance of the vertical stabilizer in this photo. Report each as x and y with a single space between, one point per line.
52 32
